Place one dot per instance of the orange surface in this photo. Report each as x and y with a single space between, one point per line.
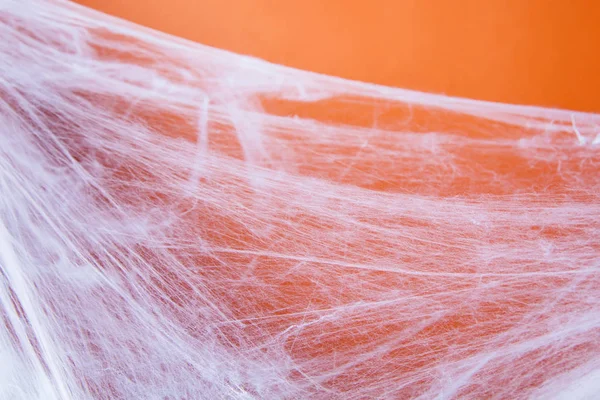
522 51
539 52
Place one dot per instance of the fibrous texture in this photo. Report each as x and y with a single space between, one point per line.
179 222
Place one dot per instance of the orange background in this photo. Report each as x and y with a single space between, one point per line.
543 52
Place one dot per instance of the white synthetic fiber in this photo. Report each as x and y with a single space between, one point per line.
179 222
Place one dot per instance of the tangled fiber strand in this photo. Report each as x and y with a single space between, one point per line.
179 222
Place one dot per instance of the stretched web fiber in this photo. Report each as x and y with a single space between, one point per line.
179 222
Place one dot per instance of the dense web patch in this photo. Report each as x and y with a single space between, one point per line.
179 222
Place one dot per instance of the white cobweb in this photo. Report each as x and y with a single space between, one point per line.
179 222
